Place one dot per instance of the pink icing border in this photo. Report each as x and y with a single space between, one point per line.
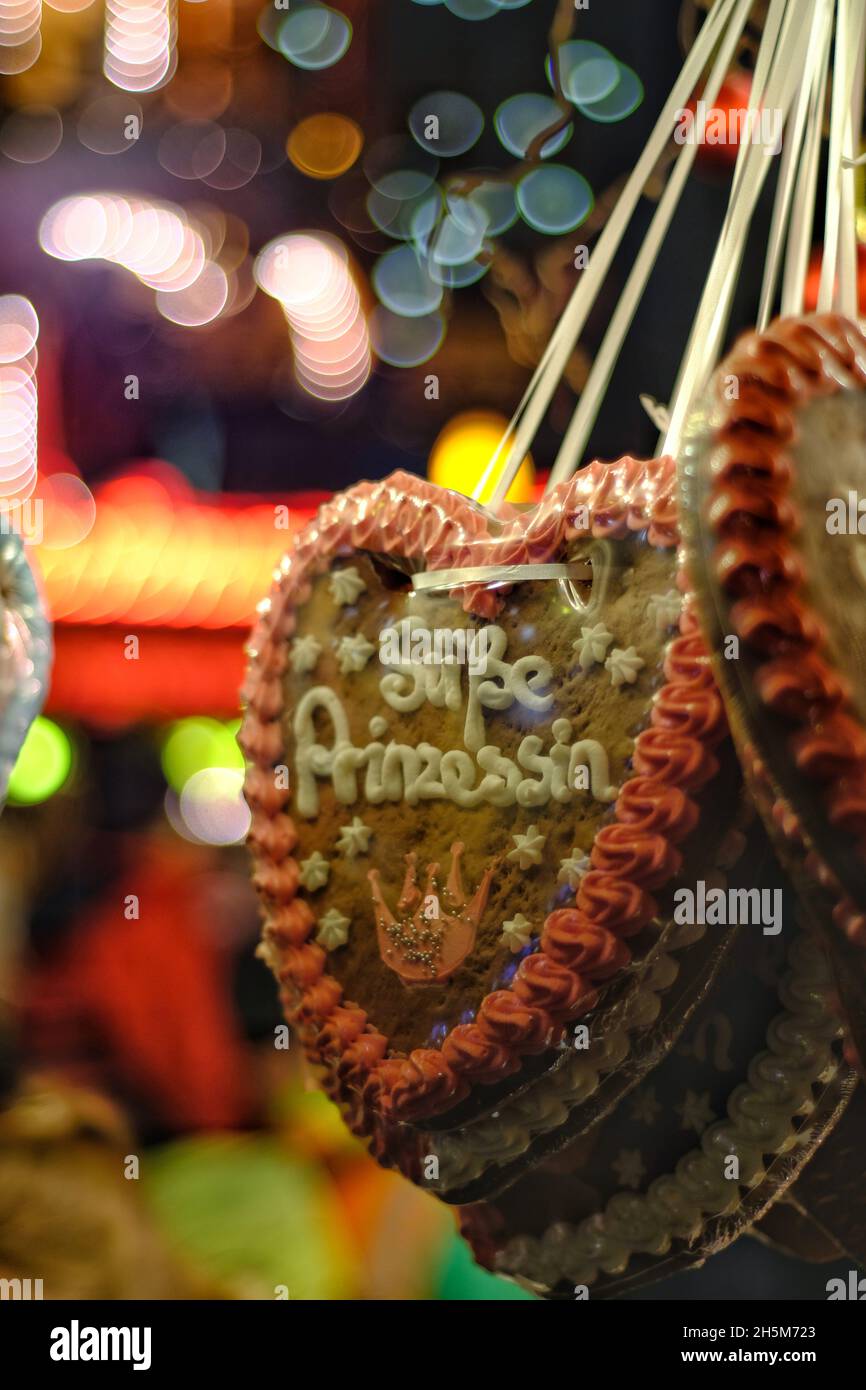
631 857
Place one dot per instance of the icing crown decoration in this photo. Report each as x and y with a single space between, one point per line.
432 933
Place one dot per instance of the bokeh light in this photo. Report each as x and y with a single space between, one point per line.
309 275
625 98
404 284
192 149
111 124
405 219
324 145
68 510
460 234
140 39
19 331
212 806
522 118
213 563
19 327
239 162
458 277
472 9
446 123
314 37
199 303
201 88
43 765
155 241
20 39
496 199
554 199
465 447
31 134
398 169
194 744
587 71
403 342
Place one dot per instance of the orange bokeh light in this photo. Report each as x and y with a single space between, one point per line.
166 561
325 145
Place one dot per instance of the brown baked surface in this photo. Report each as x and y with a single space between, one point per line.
537 619
830 459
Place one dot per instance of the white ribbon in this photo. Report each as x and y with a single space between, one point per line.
814 70
773 87
803 211
539 393
578 432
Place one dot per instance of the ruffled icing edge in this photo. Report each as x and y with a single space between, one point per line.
753 518
762 1119
632 856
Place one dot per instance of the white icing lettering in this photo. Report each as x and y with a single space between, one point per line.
477 774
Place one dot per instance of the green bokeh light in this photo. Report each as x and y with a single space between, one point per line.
197 743
43 765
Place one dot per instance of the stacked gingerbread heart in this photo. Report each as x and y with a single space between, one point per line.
773 478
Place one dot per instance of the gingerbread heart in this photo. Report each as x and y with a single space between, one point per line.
773 473
469 806
754 1086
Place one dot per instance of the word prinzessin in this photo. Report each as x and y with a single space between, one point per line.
469 776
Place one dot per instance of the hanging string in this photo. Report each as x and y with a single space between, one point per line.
803 212
792 154
574 441
714 309
539 393
791 70
846 293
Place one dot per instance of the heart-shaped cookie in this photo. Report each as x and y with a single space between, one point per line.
704 1146
773 477
468 806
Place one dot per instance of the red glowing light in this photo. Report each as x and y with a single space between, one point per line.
156 560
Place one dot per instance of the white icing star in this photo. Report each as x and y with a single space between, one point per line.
696 1112
528 847
355 838
664 609
304 655
573 868
345 585
624 665
333 930
353 653
314 871
517 933
629 1167
645 1108
592 645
